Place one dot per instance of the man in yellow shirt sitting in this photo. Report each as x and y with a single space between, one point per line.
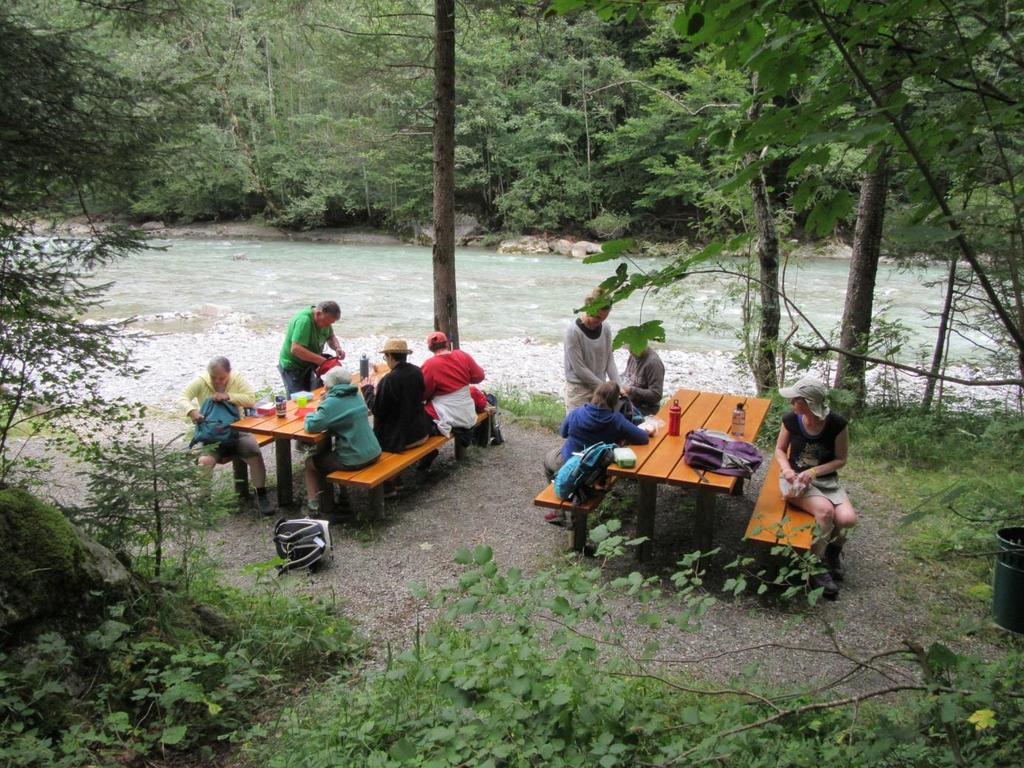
219 383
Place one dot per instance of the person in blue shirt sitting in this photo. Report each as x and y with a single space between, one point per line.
594 422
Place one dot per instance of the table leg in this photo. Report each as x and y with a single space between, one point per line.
377 500
579 529
646 507
241 472
283 454
326 495
483 433
705 528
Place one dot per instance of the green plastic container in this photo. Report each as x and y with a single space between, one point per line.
1008 582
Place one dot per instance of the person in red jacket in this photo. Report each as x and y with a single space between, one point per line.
447 377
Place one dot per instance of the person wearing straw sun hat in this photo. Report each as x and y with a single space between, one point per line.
396 401
812 446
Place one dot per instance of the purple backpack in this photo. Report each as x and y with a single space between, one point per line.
721 453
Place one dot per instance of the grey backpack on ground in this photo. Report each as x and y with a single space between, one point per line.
303 542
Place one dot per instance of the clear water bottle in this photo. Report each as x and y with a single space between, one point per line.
739 422
364 367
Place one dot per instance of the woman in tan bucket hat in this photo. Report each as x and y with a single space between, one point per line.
396 401
812 446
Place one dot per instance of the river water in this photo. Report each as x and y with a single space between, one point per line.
191 285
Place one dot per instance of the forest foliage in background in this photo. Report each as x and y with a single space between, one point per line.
318 114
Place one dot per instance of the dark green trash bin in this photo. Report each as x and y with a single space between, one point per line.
1008 583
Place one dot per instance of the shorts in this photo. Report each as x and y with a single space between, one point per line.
577 395
299 379
329 462
245 447
828 486
553 461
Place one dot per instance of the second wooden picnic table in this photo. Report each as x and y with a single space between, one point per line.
661 460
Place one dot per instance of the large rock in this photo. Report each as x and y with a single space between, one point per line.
153 226
529 244
466 228
49 568
563 247
582 248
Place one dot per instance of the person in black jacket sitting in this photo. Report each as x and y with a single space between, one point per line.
396 401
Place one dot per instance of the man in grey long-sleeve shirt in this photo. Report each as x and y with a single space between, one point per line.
588 355
643 381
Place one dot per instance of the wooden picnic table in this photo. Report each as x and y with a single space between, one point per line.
284 430
661 460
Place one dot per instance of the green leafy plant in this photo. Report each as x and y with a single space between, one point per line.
142 495
159 675
522 669
51 354
543 410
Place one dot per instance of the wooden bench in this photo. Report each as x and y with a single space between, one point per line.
389 465
774 521
547 499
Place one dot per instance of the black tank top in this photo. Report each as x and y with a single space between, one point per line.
806 451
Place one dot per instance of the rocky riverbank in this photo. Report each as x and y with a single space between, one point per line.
468 233
519 364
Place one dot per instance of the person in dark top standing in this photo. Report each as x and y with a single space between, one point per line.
591 423
811 448
643 381
396 401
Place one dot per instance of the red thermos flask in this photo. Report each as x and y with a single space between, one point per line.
675 415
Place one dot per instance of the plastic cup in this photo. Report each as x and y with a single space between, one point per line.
301 401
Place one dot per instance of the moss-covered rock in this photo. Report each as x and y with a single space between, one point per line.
48 568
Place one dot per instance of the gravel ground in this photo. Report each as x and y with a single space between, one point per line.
487 499
887 598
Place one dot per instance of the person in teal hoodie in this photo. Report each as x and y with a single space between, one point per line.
594 422
343 414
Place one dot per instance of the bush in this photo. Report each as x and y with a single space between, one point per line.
543 410
160 673
524 671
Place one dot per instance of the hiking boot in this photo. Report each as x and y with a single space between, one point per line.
555 517
830 590
263 502
426 461
833 555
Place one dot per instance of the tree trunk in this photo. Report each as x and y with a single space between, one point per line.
941 337
763 363
248 154
445 305
860 285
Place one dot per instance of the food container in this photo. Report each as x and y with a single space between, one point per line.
625 457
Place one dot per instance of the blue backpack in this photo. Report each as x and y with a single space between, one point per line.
581 472
218 415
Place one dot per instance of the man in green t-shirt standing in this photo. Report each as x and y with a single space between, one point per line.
302 351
